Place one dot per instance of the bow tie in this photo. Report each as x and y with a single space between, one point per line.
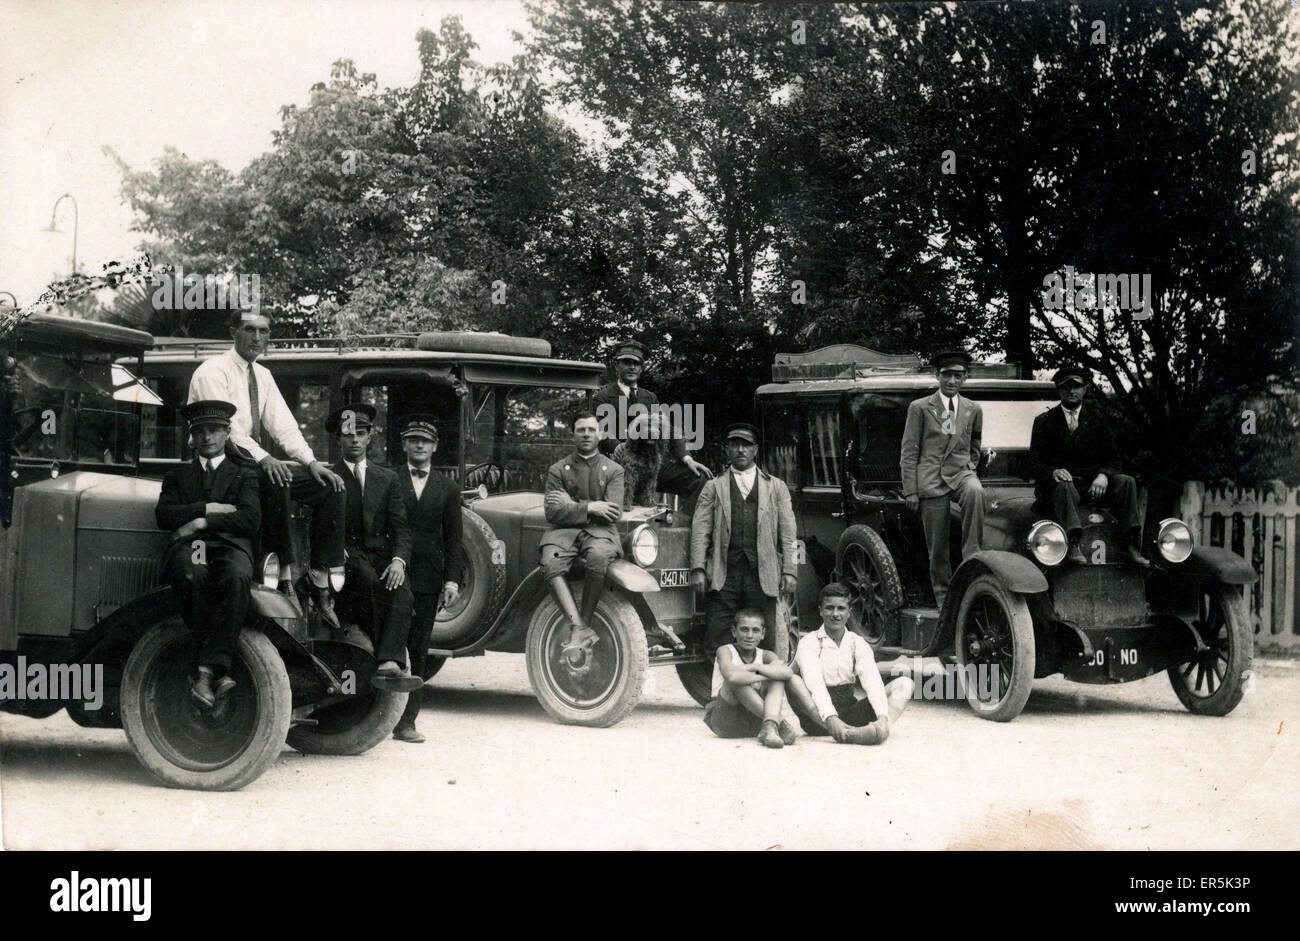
419 473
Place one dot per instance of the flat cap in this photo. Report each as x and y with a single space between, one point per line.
744 431
951 358
208 412
355 416
1067 373
420 426
631 349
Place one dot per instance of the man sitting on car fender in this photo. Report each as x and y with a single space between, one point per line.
212 506
584 498
837 689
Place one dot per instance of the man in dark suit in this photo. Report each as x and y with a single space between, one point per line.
437 553
1072 447
213 508
680 473
940 452
377 540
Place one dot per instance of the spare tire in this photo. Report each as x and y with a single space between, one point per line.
447 341
482 588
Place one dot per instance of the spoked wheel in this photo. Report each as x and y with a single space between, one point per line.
994 645
865 564
1211 682
599 687
185 745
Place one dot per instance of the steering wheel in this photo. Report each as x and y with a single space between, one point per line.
490 473
21 437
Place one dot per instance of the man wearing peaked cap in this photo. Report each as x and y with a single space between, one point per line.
743 543
1072 449
437 553
619 405
377 538
939 454
212 508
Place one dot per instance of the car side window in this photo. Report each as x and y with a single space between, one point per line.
825 452
163 434
879 421
781 437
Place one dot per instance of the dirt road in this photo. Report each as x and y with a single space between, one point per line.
1122 767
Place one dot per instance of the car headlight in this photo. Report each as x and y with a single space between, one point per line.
1047 542
645 545
1174 540
271 570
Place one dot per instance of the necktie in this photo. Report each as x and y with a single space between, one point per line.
1072 419
416 473
631 396
359 473
208 474
254 407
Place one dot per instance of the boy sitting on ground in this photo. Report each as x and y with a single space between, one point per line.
749 686
838 690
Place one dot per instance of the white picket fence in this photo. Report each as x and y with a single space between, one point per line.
1259 525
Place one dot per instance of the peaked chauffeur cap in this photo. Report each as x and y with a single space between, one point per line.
631 349
208 412
1067 373
361 413
420 426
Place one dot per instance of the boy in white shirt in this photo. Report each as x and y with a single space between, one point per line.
838 690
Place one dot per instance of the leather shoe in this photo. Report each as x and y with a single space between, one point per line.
787 732
201 689
769 736
408 733
223 687
325 607
1076 555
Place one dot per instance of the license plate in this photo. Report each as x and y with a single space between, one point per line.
674 578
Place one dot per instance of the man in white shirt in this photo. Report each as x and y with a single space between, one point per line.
742 543
261 417
837 689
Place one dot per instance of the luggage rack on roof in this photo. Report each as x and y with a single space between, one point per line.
849 361
369 341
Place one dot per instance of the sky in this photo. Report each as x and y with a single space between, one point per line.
207 78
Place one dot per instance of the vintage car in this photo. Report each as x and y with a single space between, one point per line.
832 422
86 443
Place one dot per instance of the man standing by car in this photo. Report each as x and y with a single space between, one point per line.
1071 448
742 542
437 555
261 415
584 498
211 506
377 539
680 474
940 452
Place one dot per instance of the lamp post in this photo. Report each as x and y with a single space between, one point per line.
75 223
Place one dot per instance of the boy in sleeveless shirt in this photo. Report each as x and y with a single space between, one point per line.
749 686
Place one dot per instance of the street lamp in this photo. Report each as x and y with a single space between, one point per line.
75 222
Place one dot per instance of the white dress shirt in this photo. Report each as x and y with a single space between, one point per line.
822 663
225 377
1072 418
950 404
745 480
211 463
358 471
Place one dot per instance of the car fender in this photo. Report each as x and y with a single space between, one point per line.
1014 571
631 577
1224 565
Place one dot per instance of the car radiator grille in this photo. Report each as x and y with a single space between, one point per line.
122 578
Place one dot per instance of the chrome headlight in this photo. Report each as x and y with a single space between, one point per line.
644 543
1174 540
1047 542
271 570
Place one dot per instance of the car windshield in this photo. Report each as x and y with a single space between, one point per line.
1008 422
521 429
71 410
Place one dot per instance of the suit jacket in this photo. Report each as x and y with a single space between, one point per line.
566 508
386 534
934 462
437 546
1086 453
182 499
610 394
711 531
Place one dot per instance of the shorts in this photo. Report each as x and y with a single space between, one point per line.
727 720
851 710
596 551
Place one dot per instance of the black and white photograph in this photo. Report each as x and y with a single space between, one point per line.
646 425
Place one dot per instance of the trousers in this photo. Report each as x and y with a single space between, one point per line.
935 522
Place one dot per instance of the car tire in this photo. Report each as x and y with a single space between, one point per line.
614 675
352 726
185 746
431 667
1224 625
482 592
996 619
865 564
